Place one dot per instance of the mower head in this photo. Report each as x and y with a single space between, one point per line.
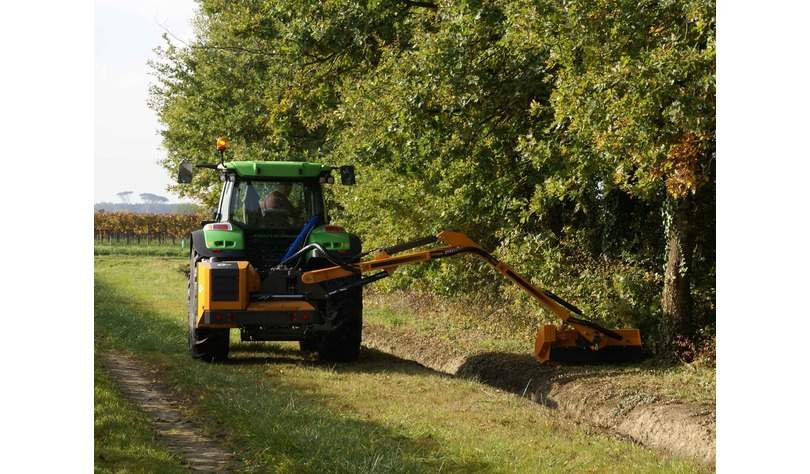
589 346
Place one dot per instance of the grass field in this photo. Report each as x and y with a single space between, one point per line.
102 247
285 413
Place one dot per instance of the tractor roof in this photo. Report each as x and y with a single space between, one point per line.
277 169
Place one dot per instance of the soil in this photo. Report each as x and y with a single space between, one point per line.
590 395
183 436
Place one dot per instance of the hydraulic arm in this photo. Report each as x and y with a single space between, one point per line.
576 340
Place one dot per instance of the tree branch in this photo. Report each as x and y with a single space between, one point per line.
411 4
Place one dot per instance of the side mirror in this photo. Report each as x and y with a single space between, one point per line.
347 175
185 173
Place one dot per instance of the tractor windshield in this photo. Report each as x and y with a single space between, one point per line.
273 205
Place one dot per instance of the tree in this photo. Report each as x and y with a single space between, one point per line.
635 100
267 76
150 198
124 196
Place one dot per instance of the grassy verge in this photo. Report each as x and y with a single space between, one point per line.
124 439
285 413
466 329
154 250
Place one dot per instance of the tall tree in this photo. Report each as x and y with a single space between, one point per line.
635 101
124 196
150 198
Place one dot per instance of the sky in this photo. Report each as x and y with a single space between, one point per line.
127 143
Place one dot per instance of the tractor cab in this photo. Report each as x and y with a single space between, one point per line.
268 210
271 204
276 206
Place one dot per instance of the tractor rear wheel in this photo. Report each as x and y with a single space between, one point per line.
208 344
343 343
308 344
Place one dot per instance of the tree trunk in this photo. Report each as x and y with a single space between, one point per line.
676 300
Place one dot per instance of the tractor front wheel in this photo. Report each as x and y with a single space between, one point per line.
208 344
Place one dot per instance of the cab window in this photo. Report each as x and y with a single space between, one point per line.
280 205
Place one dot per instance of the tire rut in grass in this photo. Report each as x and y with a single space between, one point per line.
181 435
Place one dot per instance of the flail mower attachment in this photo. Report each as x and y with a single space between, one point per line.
576 340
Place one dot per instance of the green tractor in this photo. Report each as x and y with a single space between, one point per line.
245 264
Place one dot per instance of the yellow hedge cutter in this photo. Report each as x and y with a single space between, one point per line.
575 340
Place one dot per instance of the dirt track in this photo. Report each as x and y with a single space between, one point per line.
200 452
673 427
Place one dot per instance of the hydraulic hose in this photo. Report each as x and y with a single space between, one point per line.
333 259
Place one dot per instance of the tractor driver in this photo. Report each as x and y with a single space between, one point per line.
279 200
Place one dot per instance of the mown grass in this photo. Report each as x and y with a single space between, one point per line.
135 249
285 413
124 438
470 329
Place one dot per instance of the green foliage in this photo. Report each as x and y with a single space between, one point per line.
551 132
635 90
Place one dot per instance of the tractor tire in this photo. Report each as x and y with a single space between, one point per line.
343 344
308 345
207 344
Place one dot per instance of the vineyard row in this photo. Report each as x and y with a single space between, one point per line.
144 228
